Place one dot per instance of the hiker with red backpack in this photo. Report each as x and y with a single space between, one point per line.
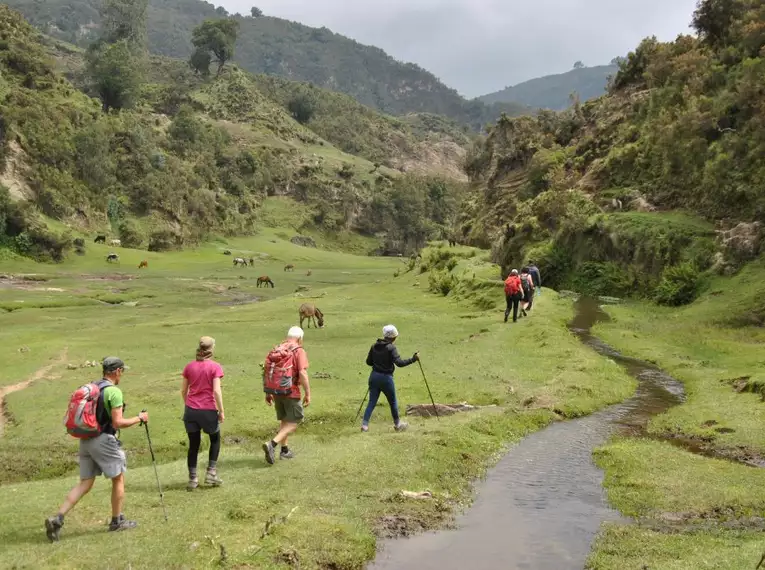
94 415
284 372
513 294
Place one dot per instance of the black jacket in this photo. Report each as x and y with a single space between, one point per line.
383 357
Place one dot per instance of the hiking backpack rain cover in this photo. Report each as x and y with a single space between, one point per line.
81 419
279 370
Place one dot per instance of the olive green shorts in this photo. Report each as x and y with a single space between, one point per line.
288 409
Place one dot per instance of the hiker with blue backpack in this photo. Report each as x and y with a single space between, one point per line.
536 277
94 415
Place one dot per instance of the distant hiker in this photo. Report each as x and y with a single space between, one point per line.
203 399
513 294
284 372
536 276
99 447
383 357
527 283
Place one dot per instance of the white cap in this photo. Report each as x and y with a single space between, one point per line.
389 331
295 332
514 272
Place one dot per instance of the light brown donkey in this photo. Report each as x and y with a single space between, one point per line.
310 312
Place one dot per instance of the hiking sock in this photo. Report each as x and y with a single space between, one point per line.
285 449
116 520
60 518
274 444
211 465
193 473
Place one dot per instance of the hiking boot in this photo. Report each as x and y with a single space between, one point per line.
286 454
401 426
268 449
53 528
524 313
192 484
211 478
121 523
364 428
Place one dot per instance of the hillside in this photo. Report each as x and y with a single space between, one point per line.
647 189
288 49
192 158
554 91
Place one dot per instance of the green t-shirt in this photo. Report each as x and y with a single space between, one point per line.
112 399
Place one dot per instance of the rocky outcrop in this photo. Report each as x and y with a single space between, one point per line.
303 241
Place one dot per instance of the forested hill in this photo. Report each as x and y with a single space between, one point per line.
554 91
647 188
279 47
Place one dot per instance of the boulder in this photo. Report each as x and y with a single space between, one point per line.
303 241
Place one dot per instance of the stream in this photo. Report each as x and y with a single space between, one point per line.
541 506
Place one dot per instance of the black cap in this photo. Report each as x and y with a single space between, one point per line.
112 363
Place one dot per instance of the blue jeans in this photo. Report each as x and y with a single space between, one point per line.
381 383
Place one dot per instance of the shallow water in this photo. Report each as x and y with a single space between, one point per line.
540 507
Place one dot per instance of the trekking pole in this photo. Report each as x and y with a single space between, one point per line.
361 406
156 473
435 409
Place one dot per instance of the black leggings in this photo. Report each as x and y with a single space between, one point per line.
195 440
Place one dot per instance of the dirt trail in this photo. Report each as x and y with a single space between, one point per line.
38 375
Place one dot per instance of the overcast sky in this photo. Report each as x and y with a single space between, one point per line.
481 46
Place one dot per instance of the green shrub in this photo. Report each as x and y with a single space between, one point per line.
679 285
441 282
130 234
164 240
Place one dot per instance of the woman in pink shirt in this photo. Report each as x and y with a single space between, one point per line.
204 409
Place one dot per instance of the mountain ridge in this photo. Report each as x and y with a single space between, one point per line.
275 46
554 91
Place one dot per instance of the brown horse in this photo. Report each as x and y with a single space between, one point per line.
143 264
289 267
265 279
310 312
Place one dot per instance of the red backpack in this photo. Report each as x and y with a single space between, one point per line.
279 370
81 419
513 285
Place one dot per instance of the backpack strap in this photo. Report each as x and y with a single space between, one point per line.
101 416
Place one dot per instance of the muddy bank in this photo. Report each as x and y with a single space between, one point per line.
542 505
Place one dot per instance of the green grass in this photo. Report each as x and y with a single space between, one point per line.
342 482
695 512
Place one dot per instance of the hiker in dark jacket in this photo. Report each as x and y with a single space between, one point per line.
536 276
383 357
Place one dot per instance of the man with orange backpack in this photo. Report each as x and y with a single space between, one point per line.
284 372
94 416
513 294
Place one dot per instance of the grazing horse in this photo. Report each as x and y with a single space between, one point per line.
100 239
289 267
239 261
112 257
265 279
310 312
115 243
227 252
143 264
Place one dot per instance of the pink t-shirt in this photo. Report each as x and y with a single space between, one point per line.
200 374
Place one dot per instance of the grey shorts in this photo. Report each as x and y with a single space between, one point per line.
288 409
99 455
